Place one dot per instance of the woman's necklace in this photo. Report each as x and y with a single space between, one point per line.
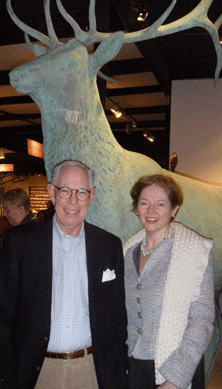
147 253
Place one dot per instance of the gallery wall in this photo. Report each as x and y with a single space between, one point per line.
196 128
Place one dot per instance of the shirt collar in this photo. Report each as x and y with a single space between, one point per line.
60 236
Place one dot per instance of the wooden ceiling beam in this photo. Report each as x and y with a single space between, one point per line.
143 110
137 90
22 117
27 130
11 100
129 66
141 125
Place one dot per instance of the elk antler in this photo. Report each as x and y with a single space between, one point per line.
29 30
196 18
54 42
87 37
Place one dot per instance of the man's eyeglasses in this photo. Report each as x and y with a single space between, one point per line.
65 193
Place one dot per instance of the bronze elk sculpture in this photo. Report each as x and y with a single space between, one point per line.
62 81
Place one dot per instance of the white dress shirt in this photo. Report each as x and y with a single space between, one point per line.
70 325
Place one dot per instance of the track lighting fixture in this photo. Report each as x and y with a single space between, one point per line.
142 13
116 111
134 124
2 154
150 137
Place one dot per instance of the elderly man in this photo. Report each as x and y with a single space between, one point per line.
16 207
63 318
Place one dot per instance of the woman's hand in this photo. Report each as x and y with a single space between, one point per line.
166 385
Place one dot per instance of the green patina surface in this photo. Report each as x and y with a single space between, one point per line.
63 84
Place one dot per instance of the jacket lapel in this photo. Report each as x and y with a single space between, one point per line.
95 264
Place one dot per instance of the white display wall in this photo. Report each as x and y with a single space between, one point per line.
196 128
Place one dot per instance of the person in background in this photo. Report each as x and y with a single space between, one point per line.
16 207
63 321
16 210
4 226
41 216
169 291
49 211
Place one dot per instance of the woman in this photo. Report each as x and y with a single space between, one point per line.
169 291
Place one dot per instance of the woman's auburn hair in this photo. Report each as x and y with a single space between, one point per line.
168 184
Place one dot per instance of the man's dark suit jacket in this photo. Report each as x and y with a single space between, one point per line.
25 306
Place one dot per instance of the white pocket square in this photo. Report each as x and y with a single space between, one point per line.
108 275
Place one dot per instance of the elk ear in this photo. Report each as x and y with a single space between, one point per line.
39 50
106 51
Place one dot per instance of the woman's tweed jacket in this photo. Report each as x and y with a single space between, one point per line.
170 305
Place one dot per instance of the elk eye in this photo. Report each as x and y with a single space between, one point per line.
24 73
74 64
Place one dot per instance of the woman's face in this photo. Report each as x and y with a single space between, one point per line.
155 211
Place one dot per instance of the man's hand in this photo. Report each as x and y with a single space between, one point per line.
166 385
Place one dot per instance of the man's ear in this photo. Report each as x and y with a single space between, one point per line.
92 194
21 209
51 190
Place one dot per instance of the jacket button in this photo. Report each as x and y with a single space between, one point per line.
38 368
46 339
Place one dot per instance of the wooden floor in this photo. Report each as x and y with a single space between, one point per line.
215 381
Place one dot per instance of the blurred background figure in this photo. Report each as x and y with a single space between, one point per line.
4 225
16 210
173 161
49 211
16 207
41 216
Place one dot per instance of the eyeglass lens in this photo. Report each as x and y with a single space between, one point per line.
81 194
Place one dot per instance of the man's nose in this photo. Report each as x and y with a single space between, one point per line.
73 198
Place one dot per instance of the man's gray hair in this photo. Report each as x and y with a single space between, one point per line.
72 163
17 197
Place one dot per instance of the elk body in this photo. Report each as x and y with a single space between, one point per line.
62 81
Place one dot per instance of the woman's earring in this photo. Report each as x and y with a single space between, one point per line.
136 213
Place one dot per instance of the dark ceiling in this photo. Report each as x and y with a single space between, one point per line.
146 76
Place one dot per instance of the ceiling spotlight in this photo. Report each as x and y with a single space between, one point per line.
134 124
150 137
142 13
116 112
2 154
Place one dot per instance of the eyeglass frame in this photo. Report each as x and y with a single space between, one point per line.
73 190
